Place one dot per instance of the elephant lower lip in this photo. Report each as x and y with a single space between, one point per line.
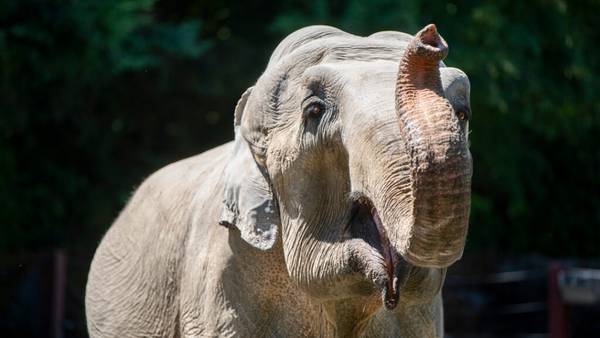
390 292
365 223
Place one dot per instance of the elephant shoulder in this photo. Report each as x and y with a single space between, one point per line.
174 186
188 171
165 202
141 257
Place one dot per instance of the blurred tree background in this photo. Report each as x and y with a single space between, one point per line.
96 95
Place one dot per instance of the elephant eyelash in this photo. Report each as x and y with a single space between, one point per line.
310 95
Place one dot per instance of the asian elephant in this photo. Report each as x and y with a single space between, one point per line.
334 213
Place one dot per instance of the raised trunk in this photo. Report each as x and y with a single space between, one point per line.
441 164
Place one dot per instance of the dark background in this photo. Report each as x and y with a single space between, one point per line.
96 95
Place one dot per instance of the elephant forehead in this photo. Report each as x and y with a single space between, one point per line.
358 77
345 48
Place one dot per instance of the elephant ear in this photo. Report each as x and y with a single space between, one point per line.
248 202
457 88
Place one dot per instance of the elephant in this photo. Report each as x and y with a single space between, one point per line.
335 211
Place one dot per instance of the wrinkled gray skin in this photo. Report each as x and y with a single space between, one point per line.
341 202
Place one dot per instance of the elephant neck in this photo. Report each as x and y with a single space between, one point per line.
273 305
267 302
419 311
350 317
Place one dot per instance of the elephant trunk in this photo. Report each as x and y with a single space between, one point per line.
440 162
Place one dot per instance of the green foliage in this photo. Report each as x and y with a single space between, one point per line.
62 63
97 94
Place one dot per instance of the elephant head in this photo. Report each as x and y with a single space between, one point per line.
353 152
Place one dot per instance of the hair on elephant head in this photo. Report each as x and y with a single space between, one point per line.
354 152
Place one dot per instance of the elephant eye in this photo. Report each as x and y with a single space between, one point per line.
463 114
313 109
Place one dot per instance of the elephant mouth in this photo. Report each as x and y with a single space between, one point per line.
366 224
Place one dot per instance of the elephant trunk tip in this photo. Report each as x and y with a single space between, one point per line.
429 36
428 46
